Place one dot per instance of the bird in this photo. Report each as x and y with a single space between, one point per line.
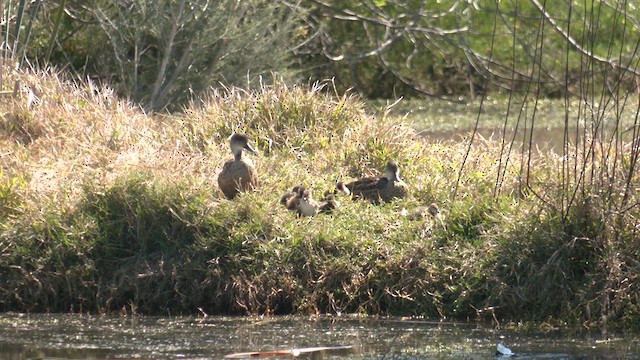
300 200
434 210
329 202
430 216
421 212
307 206
378 189
291 199
503 351
239 174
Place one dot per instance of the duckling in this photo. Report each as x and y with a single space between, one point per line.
291 199
299 199
429 217
238 174
421 212
329 202
433 210
378 189
307 206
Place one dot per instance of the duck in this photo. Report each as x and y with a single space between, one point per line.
238 174
291 199
300 200
329 202
429 217
307 206
377 189
421 212
433 209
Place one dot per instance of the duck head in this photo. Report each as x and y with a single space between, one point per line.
290 199
392 172
434 210
340 186
239 142
304 193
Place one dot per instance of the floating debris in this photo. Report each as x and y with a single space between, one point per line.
286 353
503 351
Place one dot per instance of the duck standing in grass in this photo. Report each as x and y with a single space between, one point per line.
309 207
238 174
378 189
429 216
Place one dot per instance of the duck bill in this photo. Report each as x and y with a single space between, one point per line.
250 148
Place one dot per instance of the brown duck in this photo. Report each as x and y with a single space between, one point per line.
378 189
239 174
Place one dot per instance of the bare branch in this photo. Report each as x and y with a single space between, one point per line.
573 42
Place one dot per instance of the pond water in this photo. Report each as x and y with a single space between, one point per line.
443 120
99 337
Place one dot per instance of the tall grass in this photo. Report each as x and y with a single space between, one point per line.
106 208
579 237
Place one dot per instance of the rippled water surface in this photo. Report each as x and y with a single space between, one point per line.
96 337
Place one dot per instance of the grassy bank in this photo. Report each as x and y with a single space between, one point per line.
104 208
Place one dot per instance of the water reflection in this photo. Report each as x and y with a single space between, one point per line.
96 337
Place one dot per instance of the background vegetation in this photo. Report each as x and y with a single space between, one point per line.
110 204
162 53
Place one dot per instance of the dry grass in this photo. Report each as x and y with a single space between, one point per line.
105 207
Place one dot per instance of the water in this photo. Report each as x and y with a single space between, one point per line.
97 337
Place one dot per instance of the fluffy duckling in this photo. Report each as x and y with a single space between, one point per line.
378 189
299 199
421 212
238 174
429 216
307 206
291 199
329 202
433 209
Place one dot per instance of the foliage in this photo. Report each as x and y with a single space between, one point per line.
165 50
161 54
454 49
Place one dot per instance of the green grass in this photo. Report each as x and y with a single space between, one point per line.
106 208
